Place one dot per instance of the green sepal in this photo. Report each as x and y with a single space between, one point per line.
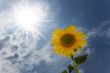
70 67
52 44
64 71
81 59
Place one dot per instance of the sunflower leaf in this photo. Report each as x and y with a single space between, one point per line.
64 71
81 59
70 67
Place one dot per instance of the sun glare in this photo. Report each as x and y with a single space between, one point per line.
28 17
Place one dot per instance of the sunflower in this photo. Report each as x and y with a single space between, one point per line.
67 41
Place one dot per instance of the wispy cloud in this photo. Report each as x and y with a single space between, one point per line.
99 30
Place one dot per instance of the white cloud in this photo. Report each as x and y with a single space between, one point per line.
6 67
81 71
99 30
17 51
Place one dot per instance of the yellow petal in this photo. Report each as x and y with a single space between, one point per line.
57 31
80 34
70 28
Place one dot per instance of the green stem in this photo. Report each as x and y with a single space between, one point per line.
75 65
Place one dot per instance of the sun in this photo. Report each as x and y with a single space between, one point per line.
28 17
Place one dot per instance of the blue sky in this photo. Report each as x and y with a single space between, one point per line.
90 16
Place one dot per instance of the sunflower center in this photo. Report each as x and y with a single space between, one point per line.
67 40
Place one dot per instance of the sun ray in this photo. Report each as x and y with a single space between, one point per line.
29 17
27 21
